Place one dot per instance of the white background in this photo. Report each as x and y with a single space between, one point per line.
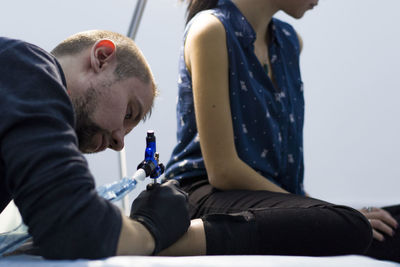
350 68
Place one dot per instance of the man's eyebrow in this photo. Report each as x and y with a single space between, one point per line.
139 104
144 116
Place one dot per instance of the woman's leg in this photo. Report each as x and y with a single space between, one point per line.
262 222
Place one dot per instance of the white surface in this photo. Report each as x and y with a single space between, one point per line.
9 218
203 261
350 67
350 64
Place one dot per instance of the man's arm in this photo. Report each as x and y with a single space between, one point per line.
134 239
164 211
44 170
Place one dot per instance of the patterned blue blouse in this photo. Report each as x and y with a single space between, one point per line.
267 117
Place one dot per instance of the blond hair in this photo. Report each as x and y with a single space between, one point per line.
130 60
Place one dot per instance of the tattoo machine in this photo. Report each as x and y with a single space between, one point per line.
150 166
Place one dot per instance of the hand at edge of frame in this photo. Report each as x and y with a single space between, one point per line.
381 222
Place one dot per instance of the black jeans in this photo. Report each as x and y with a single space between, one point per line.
267 223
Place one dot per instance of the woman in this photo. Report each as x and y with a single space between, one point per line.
240 118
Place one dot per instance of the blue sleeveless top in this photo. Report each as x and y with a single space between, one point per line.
267 119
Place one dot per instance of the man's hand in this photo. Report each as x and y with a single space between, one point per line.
381 221
164 211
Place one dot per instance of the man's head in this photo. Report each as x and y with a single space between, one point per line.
110 85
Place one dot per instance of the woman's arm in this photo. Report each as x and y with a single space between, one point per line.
207 60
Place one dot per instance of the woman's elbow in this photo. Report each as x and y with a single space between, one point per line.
219 179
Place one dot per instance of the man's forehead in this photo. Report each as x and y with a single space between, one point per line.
143 96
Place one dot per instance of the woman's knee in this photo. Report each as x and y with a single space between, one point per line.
356 228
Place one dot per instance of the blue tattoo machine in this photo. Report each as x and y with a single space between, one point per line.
12 240
150 166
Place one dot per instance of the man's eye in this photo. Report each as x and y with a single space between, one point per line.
128 116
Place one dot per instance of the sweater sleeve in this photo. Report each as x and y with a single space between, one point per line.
44 170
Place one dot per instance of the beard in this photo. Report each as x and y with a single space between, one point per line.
86 128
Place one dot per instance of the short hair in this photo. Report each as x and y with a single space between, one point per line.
130 60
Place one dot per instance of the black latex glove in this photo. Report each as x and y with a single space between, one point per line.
164 211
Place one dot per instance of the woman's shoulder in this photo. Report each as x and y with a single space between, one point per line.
206 25
206 36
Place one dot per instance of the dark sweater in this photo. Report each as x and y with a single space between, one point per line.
41 167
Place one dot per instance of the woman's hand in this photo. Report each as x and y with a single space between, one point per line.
381 221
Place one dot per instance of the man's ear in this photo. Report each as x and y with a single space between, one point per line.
102 54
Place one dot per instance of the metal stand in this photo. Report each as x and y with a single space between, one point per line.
133 27
137 16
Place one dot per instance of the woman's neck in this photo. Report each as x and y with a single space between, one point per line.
259 14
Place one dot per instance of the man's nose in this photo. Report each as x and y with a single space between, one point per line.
117 140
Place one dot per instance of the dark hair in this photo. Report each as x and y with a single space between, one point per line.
195 6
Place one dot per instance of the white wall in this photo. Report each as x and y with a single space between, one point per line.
350 67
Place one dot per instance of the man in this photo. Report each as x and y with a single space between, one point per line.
93 90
